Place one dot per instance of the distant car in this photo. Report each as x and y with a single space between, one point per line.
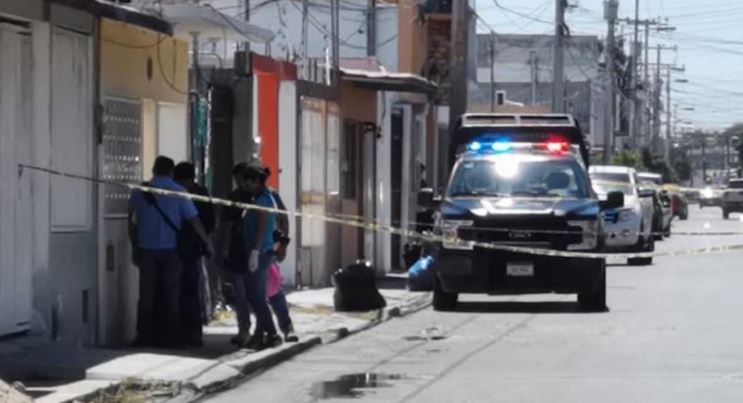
628 228
732 198
710 196
692 195
651 177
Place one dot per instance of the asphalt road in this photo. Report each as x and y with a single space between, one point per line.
674 333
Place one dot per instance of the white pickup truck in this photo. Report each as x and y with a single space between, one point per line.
732 198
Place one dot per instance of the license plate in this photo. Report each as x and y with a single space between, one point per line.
520 269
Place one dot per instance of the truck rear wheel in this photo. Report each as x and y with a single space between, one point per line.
594 299
643 246
725 213
442 300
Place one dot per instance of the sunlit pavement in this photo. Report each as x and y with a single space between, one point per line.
674 333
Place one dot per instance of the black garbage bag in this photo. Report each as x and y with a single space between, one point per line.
356 289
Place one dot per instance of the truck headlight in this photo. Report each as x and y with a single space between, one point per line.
450 233
591 230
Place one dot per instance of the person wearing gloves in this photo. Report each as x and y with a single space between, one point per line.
258 235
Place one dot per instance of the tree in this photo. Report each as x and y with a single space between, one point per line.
628 158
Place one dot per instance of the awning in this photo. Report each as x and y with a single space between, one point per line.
388 81
210 23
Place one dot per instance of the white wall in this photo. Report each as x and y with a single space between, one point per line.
172 131
384 178
288 170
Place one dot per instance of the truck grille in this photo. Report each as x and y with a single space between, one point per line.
525 230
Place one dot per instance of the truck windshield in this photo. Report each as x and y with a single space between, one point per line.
735 185
515 177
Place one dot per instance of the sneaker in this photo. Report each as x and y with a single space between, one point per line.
254 343
240 339
271 341
290 336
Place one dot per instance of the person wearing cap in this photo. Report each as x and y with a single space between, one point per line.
155 222
258 235
192 251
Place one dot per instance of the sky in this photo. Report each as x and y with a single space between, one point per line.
709 35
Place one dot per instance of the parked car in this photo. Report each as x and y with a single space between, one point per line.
679 206
662 212
650 177
628 228
679 203
710 196
732 198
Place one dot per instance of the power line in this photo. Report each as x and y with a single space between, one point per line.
520 14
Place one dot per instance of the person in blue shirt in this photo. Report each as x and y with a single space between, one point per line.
154 225
258 236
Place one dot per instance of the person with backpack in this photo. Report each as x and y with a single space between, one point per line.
154 225
192 250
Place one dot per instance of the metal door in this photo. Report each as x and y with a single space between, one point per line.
15 198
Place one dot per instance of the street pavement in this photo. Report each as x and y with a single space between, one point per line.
674 333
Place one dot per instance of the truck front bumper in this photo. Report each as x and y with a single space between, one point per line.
486 272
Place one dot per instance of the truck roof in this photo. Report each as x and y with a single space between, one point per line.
523 127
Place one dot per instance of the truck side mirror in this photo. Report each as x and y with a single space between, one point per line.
613 200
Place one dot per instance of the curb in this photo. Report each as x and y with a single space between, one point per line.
241 368
260 364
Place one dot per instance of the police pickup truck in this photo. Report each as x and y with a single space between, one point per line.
519 181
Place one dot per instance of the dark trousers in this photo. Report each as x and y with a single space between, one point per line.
192 299
158 310
255 290
242 307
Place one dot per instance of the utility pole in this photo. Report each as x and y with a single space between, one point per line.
534 64
633 78
492 72
657 91
306 60
611 8
335 31
636 132
669 134
371 29
458 92
558 76
246 17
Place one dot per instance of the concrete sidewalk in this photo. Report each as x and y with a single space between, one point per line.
55 373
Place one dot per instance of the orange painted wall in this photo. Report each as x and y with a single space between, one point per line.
268 123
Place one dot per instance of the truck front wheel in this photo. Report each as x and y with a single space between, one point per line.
442 300
594 299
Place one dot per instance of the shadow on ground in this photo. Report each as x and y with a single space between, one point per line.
519 307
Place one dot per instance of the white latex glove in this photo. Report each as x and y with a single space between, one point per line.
253 261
